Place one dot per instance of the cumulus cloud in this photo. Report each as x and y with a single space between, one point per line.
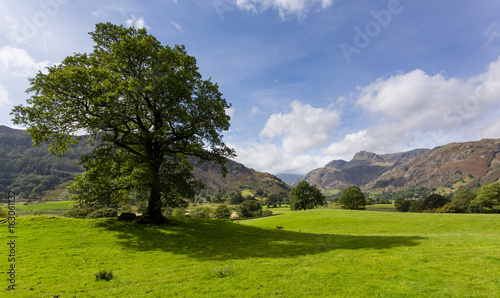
303 128
285 7
416 109
270 158
18 62
136 22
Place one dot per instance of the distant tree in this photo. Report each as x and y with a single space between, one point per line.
274 200
306 196
146 108
434 201
416 206
249 208
462 199
352 198
236 198
222 211
488 198
402 204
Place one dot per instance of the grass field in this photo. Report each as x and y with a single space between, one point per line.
323 252
51 208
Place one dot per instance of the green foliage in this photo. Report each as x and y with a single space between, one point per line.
104 275
434 201
462 199
352 198
103 212
488 198
201 212
179 212
222 211
402 204
3 213
250 208
146 108
78 212
306 196
447 208
236 198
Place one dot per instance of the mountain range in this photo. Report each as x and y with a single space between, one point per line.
445 167
33 170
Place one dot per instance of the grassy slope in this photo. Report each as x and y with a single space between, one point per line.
320 252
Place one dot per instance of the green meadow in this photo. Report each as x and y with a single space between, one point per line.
322 252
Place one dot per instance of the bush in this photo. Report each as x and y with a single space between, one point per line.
79 212
267 213
448 208
179 212
201 212
103 212
402 205
222 211
250 209
3 213
126 208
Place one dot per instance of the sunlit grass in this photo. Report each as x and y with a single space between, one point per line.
322 252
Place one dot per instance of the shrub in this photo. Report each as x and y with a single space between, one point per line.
103 212
201 212
79 212
104 275
448 208
126 208
222 211
37 212
250 209
402 205
179 212
267 213
3 213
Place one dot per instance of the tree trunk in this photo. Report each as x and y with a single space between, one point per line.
153 214
154 206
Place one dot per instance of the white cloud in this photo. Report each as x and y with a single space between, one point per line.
419 110
177 26
270 158
303 128
18 62
4 96
136 22
491 33
254 111
285 7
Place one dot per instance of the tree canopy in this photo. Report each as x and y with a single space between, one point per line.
306 196
146 109
352 198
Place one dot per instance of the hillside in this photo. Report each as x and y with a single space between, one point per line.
32 171
449 166
362 169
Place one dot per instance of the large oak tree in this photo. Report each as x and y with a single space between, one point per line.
146 109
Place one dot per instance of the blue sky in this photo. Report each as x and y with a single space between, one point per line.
309 80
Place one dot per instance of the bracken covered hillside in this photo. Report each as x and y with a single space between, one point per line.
362 169
450 166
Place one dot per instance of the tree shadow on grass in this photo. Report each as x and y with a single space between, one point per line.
206 239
